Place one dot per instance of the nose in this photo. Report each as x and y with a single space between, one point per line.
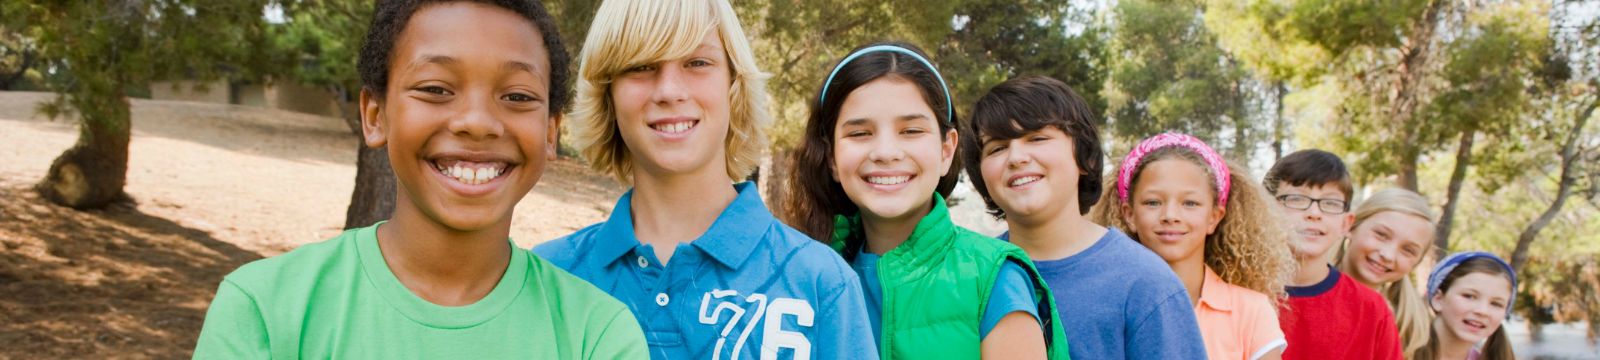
1016 157
670 87
884 149
476 119
1169 214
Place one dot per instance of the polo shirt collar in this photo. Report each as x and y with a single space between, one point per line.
729 241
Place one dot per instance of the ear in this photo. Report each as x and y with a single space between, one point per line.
947 149
1433 301
553 136
1348 221
372 121
1217 212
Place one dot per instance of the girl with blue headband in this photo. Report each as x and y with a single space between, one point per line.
1470 293
877 157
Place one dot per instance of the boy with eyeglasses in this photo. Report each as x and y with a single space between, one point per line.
1312 188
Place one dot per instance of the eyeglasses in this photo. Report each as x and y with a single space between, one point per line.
1302 202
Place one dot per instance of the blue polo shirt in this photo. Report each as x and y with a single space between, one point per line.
749 288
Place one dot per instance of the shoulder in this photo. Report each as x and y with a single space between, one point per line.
569 294
791 252
564 251
1141 268
301 266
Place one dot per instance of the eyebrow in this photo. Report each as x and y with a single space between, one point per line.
906 117
441 60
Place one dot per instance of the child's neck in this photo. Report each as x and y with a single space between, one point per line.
1192 272
1065 235
442 265
884 234
1450 346
1311 272
668 211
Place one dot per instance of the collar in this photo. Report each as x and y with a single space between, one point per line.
1214 293
730 240
928 241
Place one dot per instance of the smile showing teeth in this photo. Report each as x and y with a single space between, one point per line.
1025 180
675 127
472 173
888 180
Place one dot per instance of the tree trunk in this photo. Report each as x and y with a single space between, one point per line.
373 198
91 174
1568 179
776 180
1277 121
1402 110
1441 237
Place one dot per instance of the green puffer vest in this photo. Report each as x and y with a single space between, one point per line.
936 285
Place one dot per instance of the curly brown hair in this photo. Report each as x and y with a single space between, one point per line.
1250 247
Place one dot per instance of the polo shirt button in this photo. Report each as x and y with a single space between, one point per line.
642 262
661 299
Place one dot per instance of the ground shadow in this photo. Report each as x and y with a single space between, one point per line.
105 283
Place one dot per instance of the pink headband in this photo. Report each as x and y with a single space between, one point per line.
1131 162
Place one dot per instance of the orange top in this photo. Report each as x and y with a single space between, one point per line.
1236 323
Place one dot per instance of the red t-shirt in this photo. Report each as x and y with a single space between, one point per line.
1338 319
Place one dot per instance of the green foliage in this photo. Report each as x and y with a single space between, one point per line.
1343 25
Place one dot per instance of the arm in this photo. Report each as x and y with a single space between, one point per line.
1167 330
1016 336
843 330
234 328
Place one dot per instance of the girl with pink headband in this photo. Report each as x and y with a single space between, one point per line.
1216 229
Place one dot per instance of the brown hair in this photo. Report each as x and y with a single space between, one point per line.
1310 167
1024 105
1498 346
1250 246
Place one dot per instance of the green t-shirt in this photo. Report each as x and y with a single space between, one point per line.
338 299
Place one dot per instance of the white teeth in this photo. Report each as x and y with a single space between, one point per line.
1024 180
888 180
676 127
473 175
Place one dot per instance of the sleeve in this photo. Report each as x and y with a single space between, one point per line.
621 338
1013 292
1168 330
234 327
1386 341
843 330
1264 333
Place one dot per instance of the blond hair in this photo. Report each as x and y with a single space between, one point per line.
1250 247
628 33
1412 316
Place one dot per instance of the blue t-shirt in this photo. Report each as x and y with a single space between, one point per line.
1119 300
1013 291
750 286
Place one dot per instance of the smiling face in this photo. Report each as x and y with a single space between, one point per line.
1314 231
465 116
673 114
1473 306
1034 177
1386 246
888 151
1172 207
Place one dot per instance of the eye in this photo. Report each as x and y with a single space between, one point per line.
1470 296
1151 203
519 97
434 89
1409 250
1038 138
1191 203
857 133
994 149
913 131
639 69
699 63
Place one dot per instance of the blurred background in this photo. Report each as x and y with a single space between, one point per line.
150 147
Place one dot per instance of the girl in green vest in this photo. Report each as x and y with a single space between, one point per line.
877 156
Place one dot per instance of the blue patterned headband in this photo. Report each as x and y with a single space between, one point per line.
949 108
1436 278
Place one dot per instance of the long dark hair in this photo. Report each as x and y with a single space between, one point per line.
1498 346
815 197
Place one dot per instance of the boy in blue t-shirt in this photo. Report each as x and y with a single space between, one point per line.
1033 153
671 100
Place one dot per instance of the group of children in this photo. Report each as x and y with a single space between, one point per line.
1177 255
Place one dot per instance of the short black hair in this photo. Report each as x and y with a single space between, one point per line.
389 20
1026 104
1310 167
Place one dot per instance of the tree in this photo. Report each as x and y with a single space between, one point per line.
1487 76
1168 74
325 36
110 47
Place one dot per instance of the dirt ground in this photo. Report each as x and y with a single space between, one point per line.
214 186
